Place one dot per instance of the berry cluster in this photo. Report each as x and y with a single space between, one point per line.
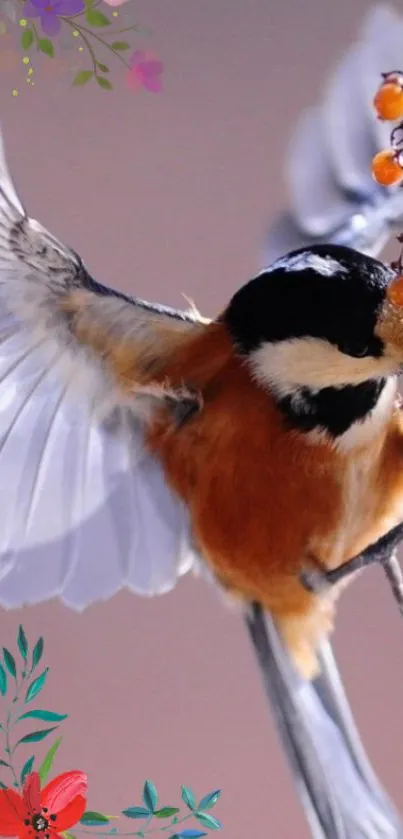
387 165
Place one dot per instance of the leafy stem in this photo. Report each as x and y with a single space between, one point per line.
80 28
86 42
36 36
9 751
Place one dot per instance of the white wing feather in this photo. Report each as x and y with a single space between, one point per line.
84 509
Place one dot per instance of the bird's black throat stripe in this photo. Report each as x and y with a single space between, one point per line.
332 409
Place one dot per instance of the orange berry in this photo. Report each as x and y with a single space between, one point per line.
388 102
394 292
386 168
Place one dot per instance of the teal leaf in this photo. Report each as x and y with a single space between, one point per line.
92 818
208 821
82 77
36 686
136 813
150 796
47 763
188 798
47 716
3 681
190 834
37 653
96 18
3 763
22 638
2 786
209 800
166 812
10 662
27 39
104 83
120 45
35 736
27 769
46 47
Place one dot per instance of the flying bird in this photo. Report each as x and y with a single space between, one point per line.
327 168
264 448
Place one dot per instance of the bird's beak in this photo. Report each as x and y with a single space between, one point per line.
389 327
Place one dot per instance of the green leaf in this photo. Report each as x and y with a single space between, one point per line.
91 817
22 638
47 763
150 796
37 653
48 716
136 813
103 67
68 835
3 681
82 77
36 686
27 39
189 834
208 801
120 45
96 18
208 821
166 812
35 736
3 763
27 769
46 47
188 798
10 662
105 83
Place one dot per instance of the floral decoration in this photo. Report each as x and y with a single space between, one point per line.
94 31
33 807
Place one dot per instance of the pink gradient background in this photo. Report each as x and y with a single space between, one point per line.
163 195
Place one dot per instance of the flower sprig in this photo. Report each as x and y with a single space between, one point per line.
48 27
30 810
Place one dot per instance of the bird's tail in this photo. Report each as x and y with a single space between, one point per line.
340 792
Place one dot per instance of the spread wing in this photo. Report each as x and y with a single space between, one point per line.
84 509
332 196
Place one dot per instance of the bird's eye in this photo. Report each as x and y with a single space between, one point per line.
356 351
360 352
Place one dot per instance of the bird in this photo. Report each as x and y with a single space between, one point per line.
138 442
327 165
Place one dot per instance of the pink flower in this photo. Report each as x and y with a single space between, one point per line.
115 2
145 71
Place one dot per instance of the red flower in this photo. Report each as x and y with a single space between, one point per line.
43 814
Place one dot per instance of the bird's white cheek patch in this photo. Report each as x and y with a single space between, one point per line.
313 363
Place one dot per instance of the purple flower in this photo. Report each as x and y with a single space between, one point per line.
50 10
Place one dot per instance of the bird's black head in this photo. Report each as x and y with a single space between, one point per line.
318 319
